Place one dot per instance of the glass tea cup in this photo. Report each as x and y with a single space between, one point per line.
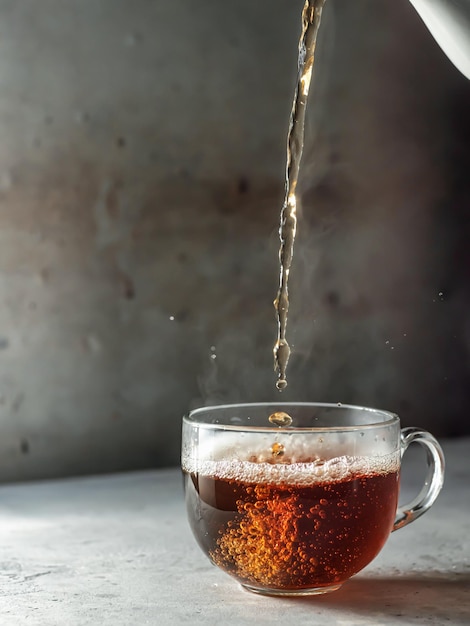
295 498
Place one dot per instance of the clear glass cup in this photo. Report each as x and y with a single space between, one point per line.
298 507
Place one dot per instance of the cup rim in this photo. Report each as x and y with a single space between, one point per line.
191 418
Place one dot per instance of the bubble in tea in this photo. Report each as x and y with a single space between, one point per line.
280 419
277 449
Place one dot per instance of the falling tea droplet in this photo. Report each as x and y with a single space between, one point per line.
277 449
280 419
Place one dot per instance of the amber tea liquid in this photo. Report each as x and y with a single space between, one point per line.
311 19
283 527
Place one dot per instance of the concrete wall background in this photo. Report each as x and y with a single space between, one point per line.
141 165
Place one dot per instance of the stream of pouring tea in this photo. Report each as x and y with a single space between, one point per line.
311 18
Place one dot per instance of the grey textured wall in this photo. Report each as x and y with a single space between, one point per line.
141 165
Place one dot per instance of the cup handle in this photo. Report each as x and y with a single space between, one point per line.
434 478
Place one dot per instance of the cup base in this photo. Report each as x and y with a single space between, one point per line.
311 591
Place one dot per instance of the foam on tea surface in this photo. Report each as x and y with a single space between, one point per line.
307 473
287 460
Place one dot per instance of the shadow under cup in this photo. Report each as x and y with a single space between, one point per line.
298 508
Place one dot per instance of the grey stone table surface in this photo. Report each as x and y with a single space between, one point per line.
118 550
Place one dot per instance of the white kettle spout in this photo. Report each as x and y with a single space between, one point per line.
449 23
